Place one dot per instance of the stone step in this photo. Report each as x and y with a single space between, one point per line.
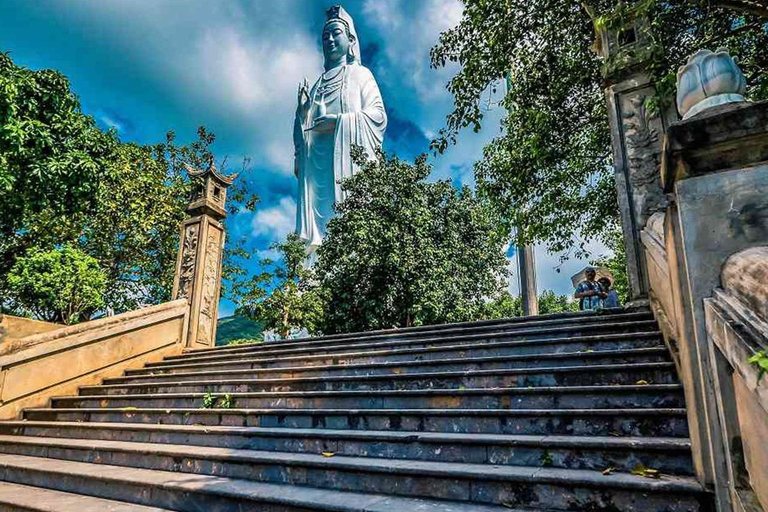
575 422
184 493
479 349
580 317
657 373
566 397
658 354
16 497
668 455
481 483
448 331
277 350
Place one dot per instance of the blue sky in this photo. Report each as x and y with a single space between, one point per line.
149 66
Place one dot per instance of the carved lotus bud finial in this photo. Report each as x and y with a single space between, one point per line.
708 79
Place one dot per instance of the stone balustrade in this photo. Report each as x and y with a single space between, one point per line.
706 263
58 362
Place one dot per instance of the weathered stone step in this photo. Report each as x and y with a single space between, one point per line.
276 350
668 455
576 422
480 349
180 492
481 483
657 373
566 397
16 497
495 327
658 354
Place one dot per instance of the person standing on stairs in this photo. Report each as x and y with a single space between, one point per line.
589 293
611 296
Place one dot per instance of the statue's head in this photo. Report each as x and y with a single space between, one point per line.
339 37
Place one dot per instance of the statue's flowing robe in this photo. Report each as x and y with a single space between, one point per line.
322 160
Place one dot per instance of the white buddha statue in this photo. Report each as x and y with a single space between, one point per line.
342 109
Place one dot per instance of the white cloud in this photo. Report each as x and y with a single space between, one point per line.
280 153
388 14
275 222
107 120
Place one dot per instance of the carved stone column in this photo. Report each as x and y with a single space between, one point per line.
637 132
198 267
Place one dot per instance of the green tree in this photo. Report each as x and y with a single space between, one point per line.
134 229
548 174
60 285
550 302
282 296
405 252
64 180
507 306
503 306
51 156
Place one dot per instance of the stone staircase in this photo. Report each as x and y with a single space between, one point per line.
547 413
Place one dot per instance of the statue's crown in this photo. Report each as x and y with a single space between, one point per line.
337 13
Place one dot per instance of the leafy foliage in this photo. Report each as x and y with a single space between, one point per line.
51 155
282 295
759 361
405 252
548 173
65 181
550 302
503 306
507 306
60 285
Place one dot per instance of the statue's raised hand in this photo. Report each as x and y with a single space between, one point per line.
303 94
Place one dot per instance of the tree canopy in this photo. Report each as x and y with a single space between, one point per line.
65 181
548 174
283 295
403 251
61 285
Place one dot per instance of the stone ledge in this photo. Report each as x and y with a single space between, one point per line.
745 276
723 138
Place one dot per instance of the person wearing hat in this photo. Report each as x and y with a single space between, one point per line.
589 293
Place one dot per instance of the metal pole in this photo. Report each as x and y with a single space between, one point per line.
527 269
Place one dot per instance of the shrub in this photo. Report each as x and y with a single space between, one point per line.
59 285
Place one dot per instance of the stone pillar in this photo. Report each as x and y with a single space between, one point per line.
527 268
201 247
636 132
714 166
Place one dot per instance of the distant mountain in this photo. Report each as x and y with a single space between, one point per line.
234 327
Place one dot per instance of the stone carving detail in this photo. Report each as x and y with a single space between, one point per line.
188 259
210 285
643 152
709 79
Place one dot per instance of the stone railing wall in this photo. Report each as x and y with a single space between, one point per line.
15 328
706 258
58 362
737 329
36 367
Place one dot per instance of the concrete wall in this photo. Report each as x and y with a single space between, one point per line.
707 267
15 328
58 362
